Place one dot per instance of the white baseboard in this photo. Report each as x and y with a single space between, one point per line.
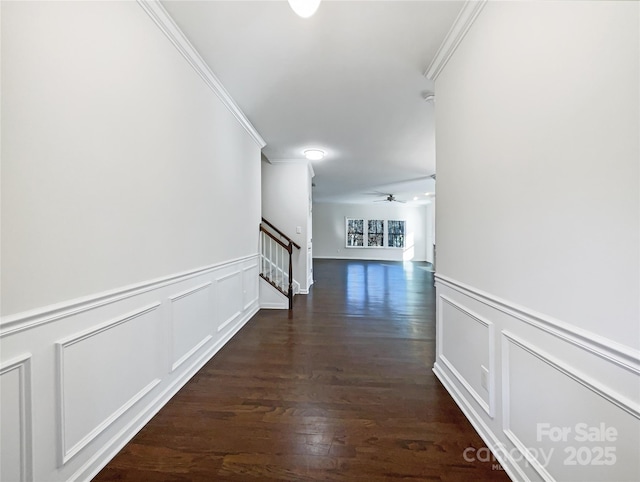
119 358
512 371
90 469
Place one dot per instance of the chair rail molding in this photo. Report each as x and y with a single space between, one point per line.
99 367
623 356
16 323
534 361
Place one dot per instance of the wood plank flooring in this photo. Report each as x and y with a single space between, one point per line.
342 391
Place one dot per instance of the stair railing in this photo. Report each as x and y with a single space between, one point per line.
276 266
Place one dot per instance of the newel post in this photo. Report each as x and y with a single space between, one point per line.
290 249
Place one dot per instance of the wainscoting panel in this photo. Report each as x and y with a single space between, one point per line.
15 420
569 404
229 307
466 348
584 426
81 378
93 390
250 285
191 322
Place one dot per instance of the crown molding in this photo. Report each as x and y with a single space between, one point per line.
459 29
163 20
300 162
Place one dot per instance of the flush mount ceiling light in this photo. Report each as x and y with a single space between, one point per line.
314 154
304 8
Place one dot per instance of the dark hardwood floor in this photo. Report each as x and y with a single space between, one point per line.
341 391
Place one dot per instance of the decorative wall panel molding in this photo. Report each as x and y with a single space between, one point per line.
191 322
630 406
16 462
488 405
250 285
117 357
107 451
229 307
549 373
623 356
486 433
92 388
526 365
29 319
161 17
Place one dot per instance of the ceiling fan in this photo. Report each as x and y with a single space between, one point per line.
390 198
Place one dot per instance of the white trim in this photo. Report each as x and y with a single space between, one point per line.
274 306
198 345
513 470
489 407
506 416
190 353
248 304
459 29
297 289
620 401
224 324
252 302
110 449
614 398
29 319
623 356
226 276
365 234
72 340
228 320
299 162
163 20
66 454
190 291
23 365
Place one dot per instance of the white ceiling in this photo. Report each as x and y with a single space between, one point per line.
348 80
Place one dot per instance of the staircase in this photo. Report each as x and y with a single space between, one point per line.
276 267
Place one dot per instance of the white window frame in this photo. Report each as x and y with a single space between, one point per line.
365 233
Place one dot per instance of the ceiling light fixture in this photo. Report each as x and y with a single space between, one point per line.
304 8
314 154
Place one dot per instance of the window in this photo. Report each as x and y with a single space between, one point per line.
355 232
395 236
375 232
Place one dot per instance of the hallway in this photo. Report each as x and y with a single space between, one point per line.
342 391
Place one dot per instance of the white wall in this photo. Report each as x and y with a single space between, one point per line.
130 208
329 230
112 154
538 230
430 238
286 192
